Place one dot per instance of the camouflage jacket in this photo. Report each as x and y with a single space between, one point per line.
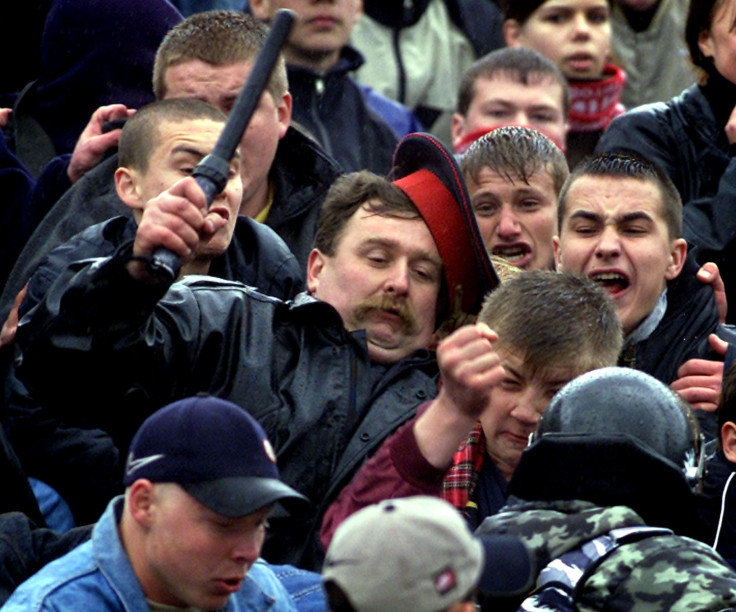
662 572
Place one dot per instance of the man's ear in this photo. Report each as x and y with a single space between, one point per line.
511 32
677 258
141 495
458 128
728 440
705 43
315 265
284 111
126 187
558 253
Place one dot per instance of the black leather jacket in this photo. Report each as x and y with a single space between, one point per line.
324 404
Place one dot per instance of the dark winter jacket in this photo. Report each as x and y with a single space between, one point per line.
323 403
333 108
80 460
301 173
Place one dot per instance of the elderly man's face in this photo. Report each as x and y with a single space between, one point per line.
613 231
193 556
384 277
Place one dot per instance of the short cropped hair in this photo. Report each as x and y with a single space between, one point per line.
516 153
219 38
140 133
627 164
523 65
555 320
349 193
700 16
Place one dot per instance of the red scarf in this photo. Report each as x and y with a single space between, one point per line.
461 478
594 104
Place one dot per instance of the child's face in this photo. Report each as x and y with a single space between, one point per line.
575 34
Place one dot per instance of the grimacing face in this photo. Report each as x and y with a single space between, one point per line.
384 277
220 86
613 231
515 407
181 146
516 219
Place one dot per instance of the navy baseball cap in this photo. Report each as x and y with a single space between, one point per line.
215 451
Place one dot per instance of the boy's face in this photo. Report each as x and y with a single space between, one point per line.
516 219
574 34
613 231
516 405
180 146
503 100
320 32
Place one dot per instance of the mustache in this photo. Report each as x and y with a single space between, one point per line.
388 303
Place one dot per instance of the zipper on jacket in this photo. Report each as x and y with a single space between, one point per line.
323 136
399 65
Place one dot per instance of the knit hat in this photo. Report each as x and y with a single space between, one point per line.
430 176
215 451
417 553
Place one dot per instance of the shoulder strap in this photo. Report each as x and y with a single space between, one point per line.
561 579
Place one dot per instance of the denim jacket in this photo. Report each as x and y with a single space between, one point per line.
98 576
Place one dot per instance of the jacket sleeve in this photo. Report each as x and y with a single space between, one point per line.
398 469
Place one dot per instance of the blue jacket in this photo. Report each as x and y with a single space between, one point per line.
98 576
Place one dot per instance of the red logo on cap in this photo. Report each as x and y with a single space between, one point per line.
445 581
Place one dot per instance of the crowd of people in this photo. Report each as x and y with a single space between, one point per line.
454 331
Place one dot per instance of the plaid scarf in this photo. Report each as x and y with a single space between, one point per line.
461 478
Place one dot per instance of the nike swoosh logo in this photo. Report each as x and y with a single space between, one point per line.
134 464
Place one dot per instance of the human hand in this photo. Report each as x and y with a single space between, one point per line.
7 333
93 142
470 368
711 275
5 116
731 127
177 220
699 380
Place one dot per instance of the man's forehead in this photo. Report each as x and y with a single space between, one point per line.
543 86
614 195
391 227
516 363
535 176
197 78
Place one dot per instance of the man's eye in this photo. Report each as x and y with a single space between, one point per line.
598 17
529 205
485 209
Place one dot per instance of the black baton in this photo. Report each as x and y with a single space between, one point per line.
211 173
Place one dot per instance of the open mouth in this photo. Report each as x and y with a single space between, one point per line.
511 253
613 282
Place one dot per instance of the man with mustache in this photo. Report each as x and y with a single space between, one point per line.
329 375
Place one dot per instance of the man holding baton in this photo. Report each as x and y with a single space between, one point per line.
329 375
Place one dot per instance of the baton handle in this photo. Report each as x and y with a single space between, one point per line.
211 173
